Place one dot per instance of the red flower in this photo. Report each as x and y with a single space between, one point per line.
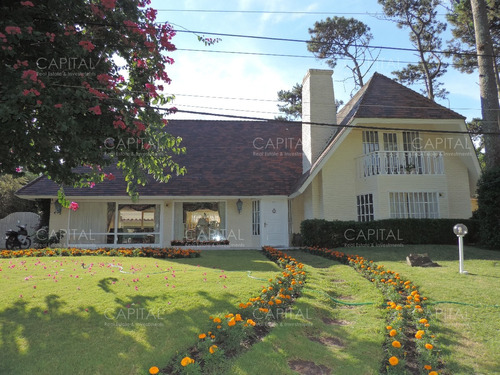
27 4
87 45
96 110
109 4
31 74
13 30
73 206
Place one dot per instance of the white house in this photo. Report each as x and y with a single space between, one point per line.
389 153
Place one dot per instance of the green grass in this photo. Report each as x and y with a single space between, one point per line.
467 335
356 345
95 321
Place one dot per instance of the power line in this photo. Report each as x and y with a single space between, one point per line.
401 49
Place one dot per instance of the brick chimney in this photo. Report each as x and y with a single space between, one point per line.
318 106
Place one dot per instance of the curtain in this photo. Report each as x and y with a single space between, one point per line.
87 222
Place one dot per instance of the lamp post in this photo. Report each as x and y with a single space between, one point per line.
239 205
460 230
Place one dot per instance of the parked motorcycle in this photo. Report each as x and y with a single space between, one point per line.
17 239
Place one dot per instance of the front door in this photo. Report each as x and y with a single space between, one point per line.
274 222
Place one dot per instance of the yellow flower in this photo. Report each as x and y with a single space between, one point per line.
154 370
419 334
393 333
429 346
186 361
393 361
396 344
201 336
212 349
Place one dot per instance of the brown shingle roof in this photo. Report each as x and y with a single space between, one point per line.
223 158
382 97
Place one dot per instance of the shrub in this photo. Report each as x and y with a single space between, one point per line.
337 233
488 213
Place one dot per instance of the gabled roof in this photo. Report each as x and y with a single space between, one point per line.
382 97
223 158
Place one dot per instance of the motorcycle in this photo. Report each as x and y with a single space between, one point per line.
20 238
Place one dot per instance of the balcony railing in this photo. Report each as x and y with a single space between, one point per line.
400 163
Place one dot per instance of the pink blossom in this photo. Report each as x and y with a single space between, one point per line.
26 92
87 45
30 29
13 30
31 74
139 102
151 14
73 206
27 4
51 36
140 125
96 110
91 185
19 169
58 105
119 124
109 4
109 176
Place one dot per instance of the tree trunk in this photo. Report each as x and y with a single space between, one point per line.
487 83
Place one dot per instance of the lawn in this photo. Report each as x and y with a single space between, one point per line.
467 335
320 335
81 315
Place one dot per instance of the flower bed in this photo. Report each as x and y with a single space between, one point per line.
229 334
127 252
410 344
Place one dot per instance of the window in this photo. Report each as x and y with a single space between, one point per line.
200 221
370 142
392 165
411 141
365 207
390 142
414 205
256 218
100 223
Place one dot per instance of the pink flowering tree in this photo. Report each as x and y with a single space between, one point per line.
81 84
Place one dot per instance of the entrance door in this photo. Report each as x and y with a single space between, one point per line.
274 222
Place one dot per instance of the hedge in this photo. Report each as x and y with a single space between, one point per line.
337 233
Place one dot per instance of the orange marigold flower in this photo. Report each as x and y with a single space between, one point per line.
393 333
231 322
201 336
186 361
219 327
393 361
154 370
217 320
428 367
433 373
388 327
396 344
423 321
212 349
229 315
251 322
237 317
243 306
429 346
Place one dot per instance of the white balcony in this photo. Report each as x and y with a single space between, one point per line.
400 163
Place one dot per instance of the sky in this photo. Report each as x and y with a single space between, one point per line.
233 77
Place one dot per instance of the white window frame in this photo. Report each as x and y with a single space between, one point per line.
365 207
256 218
414 205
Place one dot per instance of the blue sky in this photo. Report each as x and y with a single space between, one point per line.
247 85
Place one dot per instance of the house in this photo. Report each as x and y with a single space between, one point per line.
388 153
